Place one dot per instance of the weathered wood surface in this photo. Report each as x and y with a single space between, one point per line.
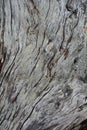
43 64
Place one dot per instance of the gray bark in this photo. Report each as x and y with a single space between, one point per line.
43 65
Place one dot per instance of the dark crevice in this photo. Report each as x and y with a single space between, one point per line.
81 126
11 15
48 10
61 45
68 6
2 48
3 26
38 82
34 6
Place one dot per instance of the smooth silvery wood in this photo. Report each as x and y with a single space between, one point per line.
43 64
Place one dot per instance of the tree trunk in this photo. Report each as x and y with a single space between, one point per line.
43 65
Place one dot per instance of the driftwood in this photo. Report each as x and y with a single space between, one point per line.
43 65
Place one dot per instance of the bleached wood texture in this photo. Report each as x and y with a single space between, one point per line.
43 65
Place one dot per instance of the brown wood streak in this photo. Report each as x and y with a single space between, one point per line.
50 65
66 52
69 39
85 28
